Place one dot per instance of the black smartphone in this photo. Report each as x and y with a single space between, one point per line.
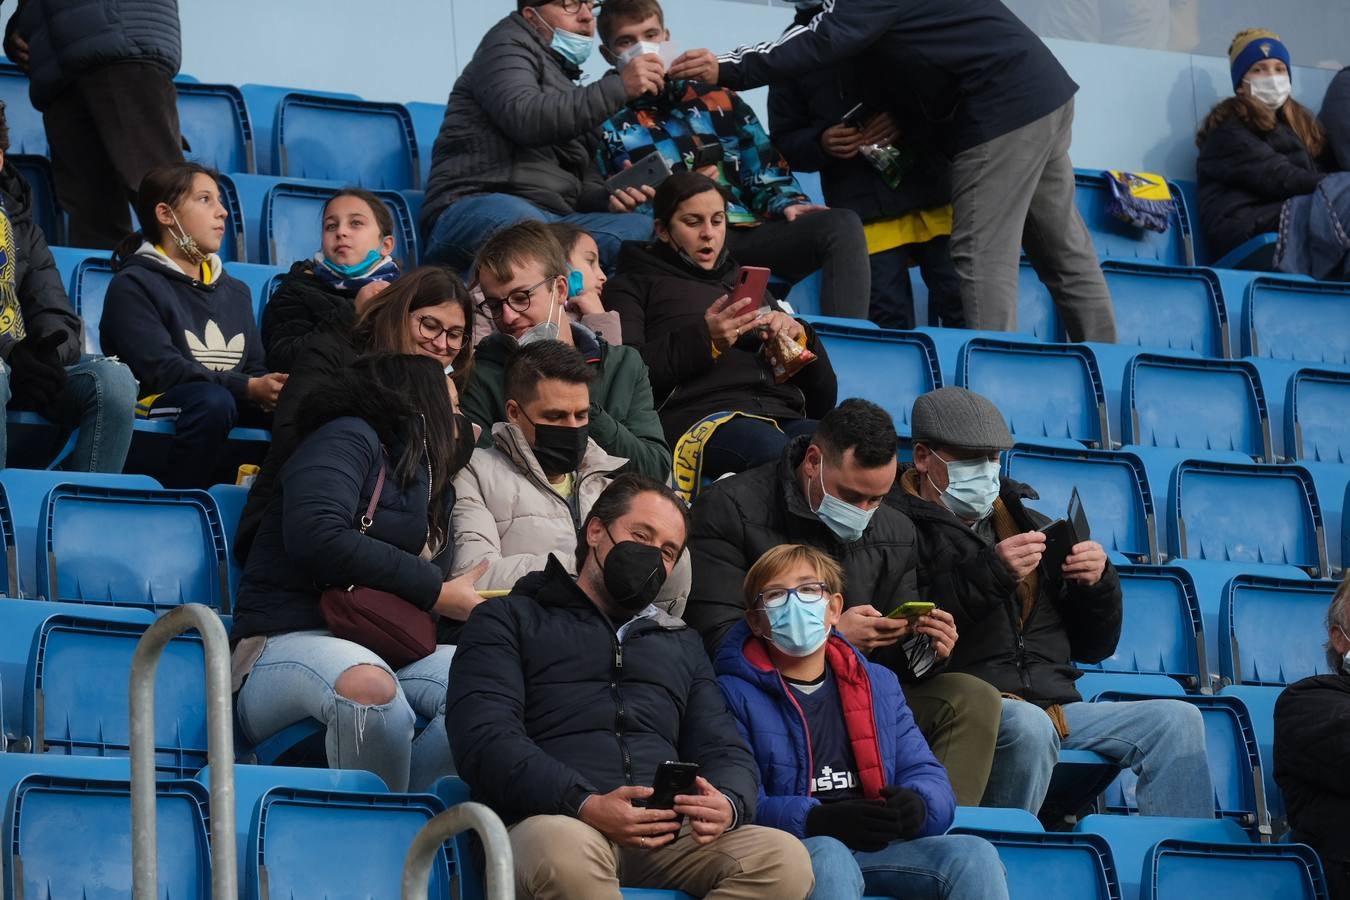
709 153
649 171
855 117
1062 534
672 779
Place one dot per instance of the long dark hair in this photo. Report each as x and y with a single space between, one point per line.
383 324
169 184
403 397
1259 118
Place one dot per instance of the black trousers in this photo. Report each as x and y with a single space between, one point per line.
892 304
108 128
828 239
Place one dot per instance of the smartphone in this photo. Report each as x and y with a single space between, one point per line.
672 779
911 610
751 282
1062 534
855 117
707 154
649 171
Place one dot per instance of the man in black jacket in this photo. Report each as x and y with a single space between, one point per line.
1335 117
826 492
568 694
980 550
1312 752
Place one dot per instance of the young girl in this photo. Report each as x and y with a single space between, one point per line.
1258 148
184 326
586 281
325 293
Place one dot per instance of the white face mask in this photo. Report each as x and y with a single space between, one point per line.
665 49
1269 90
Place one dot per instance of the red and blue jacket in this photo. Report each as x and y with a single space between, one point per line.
888 747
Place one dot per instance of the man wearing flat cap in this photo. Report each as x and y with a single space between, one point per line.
1021 626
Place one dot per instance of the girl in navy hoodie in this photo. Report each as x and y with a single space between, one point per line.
183 325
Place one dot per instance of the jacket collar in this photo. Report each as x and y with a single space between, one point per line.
571 71
745 655
148 251
792 457
557 588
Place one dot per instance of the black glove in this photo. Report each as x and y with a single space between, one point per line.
36 374
909 808
865 825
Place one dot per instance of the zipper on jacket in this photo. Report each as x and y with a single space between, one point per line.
806 730
619 714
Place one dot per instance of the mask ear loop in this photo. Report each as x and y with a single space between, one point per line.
186 242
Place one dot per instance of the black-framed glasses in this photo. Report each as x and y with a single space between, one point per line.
430 328
518 300
571 6
810 592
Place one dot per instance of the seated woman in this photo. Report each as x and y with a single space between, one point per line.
324 293
706 354
387 414
184 326
586 282
426 312
1258 148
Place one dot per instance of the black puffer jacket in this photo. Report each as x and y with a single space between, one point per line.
546 706
960 573
1245 176
661 300
42 294
737 519
517 123
1335 118
68 37
1312 764
303 307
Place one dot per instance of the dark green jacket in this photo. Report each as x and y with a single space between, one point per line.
623 416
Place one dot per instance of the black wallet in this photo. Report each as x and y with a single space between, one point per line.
1062 534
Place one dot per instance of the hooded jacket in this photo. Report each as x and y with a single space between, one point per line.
172 328
623 417
959 571
887 745
661 300
517 123
302 307
37 282
548 704
737 519
1312 763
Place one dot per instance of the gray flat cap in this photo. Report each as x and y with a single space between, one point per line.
956 417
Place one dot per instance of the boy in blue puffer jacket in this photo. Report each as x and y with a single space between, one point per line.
842 764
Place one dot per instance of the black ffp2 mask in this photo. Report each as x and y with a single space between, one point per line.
560 448
634 574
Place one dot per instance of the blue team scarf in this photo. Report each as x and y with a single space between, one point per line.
342 278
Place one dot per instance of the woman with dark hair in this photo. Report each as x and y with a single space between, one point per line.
706 354
426 312
184 326
354 263
1258 148
387 415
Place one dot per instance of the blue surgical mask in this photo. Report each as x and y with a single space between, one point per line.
972 487
575 48
797 627
847 521
357 268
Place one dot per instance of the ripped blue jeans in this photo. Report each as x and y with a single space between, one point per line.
294 679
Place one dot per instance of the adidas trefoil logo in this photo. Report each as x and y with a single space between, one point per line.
216 353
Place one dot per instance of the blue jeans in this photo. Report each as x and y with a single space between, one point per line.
1162 741
100 400
946 867
294 680
740 443
467 223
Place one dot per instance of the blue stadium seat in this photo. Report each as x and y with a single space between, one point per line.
1245 513
9 552
27 134
995 818
1256 254
1112 484
290 222
54 805
234 243
87 290
1113 238
426 120
860 355
263 102
1272 630
1132 839
136 547
1052 866
1162 632
1049 393
1168 307
356 141
75 699
1197 404
68 258
1092 684
1036 313
230 501
1331 481
216 126
1317 408
1180 870
37 171
1289 318
259 280
1260 704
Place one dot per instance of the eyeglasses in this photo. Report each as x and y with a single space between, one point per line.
518 300
571 6
431 330
810 592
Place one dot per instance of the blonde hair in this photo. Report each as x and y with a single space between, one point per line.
785 556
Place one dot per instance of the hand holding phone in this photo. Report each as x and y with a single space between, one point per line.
672 779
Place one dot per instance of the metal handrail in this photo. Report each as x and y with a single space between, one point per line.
219 753
500 875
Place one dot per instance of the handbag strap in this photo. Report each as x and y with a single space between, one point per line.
369 518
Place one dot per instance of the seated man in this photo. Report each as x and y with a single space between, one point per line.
522 275
1021 626
692 125
519 137
1312 752
522 499
867 796
1335 118
565 697
826 492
